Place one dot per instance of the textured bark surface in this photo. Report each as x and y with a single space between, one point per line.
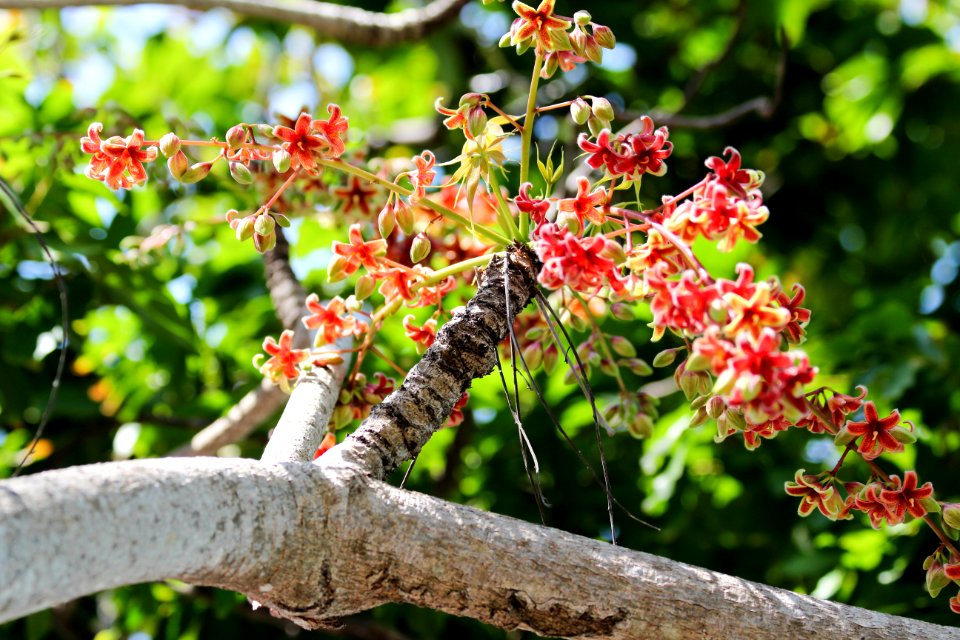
465 349
315 544
346 24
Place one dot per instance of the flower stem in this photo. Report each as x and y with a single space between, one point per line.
340 165
526 135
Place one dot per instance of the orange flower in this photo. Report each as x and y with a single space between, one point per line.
332 321
300 143
537 25
117 162
283 360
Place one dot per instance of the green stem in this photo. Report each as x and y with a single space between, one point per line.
441 274
526 135
340 165
503 210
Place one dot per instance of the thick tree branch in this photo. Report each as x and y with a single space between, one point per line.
315 544
466 348
345 24
253 409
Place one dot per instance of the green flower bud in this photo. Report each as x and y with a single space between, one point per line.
404 216
240 173
365 287
603 109
595 125
282 220
264 243
195 173
665 357
420 247
281 160
169 145
476 122
386 220
637 366
623 347
245 228
177 164
533 355
604 36
951 514
582 18
265 224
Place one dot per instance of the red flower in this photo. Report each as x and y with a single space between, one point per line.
349 257
841 405
424 336
456 414
644 152
424 175
754 314
905 497
876 432
355 194
955 603
814 495
584 264
328 442
332 129
952 571
729 173
433 296
300 143
867 499
717 215
397 282
600 153
332 321
680 305
565 60
799 317
536 24
116 161
585 204
536 207
283 360
655 250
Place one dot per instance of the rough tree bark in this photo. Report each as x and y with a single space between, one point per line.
315 542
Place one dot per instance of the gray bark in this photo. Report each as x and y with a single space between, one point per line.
342 23
315 542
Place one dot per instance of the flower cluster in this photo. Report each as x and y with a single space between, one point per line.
629 155
584 264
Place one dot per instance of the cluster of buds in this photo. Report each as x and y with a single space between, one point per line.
260 226
594 111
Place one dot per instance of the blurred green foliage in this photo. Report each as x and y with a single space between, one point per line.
862 185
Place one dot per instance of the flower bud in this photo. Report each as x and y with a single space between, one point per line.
582 18
637 366
404 216
603 109
337 268
386 220
533 355
579 111
420 247
245 228
604 36
342 416
169 145
715 407
264 243
196 172
233 217
236 136
550 67
735 419
699 417
640 426
844 437
177 164
592 51
595 125
578 40
281 160
282 220
365 287
936 579
903 434
505 40
240 173
550 358
264 224
623 347
265 130
665 357
951 514
559 40
476 121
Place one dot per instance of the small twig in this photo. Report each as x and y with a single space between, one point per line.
14 203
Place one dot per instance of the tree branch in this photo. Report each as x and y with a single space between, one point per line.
253 409
342 23
315 544
466 348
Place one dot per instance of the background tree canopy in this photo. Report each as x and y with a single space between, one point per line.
860 159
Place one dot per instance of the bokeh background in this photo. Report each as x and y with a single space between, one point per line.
861 156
